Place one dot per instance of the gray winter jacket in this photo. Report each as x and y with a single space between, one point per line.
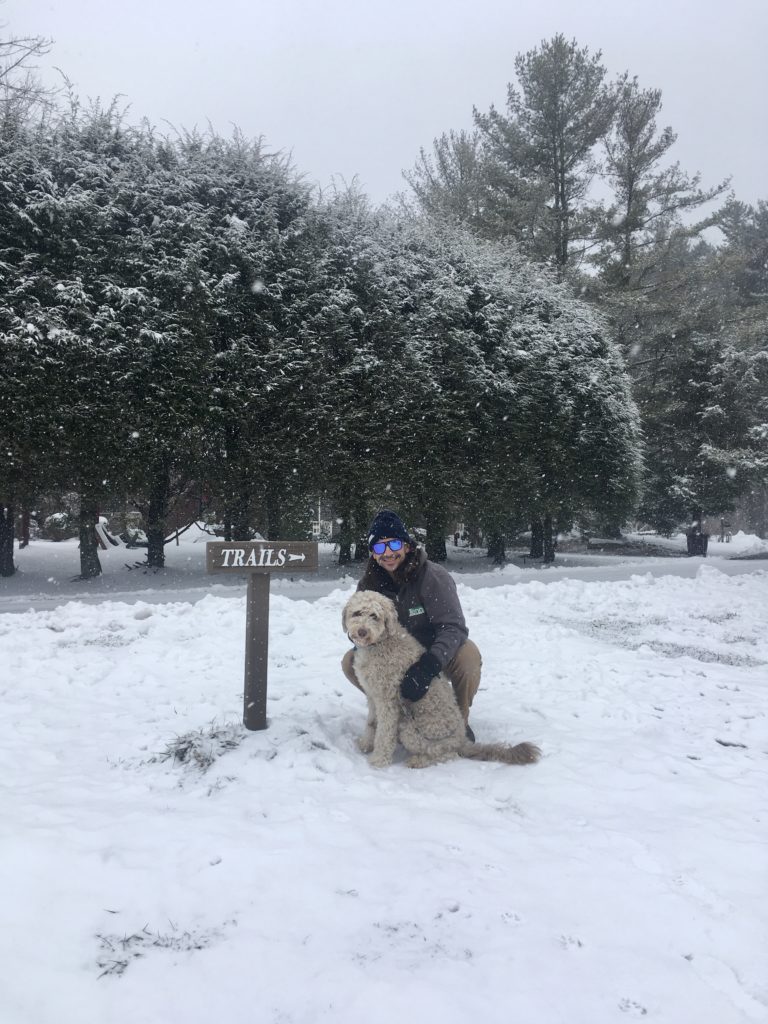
427 603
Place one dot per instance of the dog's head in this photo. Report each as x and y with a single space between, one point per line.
368 617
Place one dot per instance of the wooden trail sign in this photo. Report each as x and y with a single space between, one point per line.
258 559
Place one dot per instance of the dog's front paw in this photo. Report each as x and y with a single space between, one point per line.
418 761
380 761
365 744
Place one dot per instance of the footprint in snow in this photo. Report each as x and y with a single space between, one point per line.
633 1008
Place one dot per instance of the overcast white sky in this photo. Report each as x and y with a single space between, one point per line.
355 87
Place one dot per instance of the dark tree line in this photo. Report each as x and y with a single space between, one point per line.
179 313
184 315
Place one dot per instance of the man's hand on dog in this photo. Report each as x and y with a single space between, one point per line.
418 677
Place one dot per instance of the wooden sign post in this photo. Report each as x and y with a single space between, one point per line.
257 560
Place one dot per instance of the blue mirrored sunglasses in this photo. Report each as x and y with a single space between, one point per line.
381 546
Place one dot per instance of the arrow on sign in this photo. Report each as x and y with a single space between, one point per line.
296 558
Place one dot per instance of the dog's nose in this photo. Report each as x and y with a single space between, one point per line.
362 632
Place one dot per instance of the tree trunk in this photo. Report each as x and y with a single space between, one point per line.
496 549
156 516
90 565
436 525
24 540
7 568
236 515
537 539
274 510
345 538
360 520
549 541
241 528
757 510
610 529
473 534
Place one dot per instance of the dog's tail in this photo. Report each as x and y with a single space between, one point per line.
521 753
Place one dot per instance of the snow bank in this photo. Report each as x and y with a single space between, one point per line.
621 877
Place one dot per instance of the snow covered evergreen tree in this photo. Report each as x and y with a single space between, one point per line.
699 380
187 314
253 208
202 238
743 272
453 182
59 330
553 432
542 149
651 196
468 379
23 432
666 296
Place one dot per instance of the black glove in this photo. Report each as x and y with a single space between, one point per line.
418 677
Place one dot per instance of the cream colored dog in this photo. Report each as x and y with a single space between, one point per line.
431 729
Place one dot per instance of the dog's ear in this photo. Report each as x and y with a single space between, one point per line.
391 621
352 603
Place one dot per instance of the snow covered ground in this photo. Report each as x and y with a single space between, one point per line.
275 877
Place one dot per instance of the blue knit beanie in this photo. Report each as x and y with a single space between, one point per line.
387 524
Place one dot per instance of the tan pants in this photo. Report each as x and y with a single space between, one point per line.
463 672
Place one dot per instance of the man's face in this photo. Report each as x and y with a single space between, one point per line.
389 559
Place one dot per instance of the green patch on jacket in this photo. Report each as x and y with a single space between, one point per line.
418 610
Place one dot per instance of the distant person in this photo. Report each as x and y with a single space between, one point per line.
427 606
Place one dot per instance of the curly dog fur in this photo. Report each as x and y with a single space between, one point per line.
431 729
